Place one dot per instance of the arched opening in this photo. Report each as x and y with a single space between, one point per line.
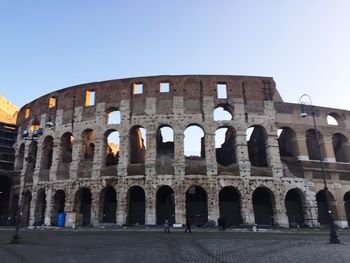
20 157
347 206
222 113
294 207
137 206
26 208
31 160
137 144
112 148
114 117
40 207
83 204
194 142
230 206
165 207
323 217
196 206
225 144
331 120
59 200
165 141
262 206
5 188
88 140
287 142
256 137
108 199
311 144
47 151
341 147
66 146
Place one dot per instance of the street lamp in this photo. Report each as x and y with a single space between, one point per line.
305 101
30 159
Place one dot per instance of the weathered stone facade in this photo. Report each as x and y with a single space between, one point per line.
268 179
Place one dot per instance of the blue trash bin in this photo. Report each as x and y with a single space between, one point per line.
61 219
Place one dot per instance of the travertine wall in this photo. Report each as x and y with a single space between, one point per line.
254 101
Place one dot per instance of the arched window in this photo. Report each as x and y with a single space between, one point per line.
46 157
194 143
341 147
20 157
165 141
112 148
222 113
114 117
256 137
88 140
287 142
311 143
66 147
225 144
137 144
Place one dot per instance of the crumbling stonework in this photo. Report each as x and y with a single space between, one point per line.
269 179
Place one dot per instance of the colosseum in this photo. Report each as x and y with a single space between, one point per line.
141 150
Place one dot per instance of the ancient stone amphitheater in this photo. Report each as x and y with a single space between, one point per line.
136 151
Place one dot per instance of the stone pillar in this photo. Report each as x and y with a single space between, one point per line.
95 207
326 145
273 154
150 202
99 157
310 208
242 154
280 212
121 205
49 206
179 156
77 154
210 152
213 200
303 154
247 210
151 151
32 208
55 159
180 203
341 221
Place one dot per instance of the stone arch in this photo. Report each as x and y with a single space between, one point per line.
136 205
311 144
294 206
165 141
165 205
108 198
112 144
40 207
88 141
83 204
257 146
341 147
225 144
334 118
31 159
66 147
47 151
347 206
194 141
137 144
323 217
263 206
20 157
223 112
113 116
287 142
58 205
5 189
230 206
196 205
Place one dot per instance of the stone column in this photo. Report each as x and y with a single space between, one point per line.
99 157
121 205
280 212
77 154
180 203
32 208
179 157
151 150
303 154
95 207
213 200
49 206
242 154
273 154
150 203
55 159
210 154
326 145
310 209
247 210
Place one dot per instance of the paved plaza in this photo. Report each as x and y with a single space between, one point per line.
151 245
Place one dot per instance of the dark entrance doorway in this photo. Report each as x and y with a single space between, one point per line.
323 217
26 208
295 213
58 206
109 205
230 206
137 206
197 206
40 207
83 204
5 187
165 208
262 206
347 206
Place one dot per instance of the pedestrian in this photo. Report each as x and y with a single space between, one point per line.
166 226
188 226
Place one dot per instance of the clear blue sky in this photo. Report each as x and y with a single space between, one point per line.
49 45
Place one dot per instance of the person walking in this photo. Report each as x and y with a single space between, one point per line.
188 226
166 226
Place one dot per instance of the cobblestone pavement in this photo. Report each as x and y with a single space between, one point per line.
91 245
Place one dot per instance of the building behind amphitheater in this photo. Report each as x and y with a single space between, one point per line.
122 152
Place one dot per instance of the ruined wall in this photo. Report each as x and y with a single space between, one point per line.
253 102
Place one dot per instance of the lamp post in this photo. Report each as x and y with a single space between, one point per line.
30 159
305 101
